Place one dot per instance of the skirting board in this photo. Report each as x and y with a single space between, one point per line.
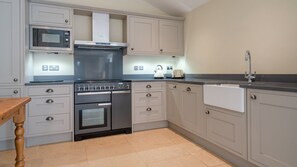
57 138
150 125
7 145
233 159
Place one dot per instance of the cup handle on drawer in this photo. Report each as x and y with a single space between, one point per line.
50 118
49 101
149 109
148 86
49 91
148 95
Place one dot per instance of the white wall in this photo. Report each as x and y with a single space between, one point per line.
218 34
148 62
65 62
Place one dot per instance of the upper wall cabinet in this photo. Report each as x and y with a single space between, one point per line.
49 15
150 36
143 36
10 42
171 37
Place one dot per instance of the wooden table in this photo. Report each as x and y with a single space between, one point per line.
15 108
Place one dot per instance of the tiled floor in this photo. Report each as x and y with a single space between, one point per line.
154 148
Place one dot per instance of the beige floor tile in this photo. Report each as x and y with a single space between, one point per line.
207 158
183 161
154 148
7 158
225 165
162 153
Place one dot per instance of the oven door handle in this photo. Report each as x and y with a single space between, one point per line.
93 93
104 104
121 92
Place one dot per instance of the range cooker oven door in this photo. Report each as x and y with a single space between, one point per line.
94 117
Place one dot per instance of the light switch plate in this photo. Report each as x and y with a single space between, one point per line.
141 68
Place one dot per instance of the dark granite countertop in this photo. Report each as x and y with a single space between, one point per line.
60 82
276 86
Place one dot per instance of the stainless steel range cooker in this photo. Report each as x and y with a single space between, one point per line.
102 108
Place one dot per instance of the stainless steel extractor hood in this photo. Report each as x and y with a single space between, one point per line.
100 34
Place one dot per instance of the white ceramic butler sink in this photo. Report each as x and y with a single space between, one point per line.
225 96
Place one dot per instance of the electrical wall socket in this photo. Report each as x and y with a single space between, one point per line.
44 67
135 68
141 68
54 68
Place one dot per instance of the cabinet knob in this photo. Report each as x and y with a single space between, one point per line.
15 80
148 86
49 91
161 50
66 21
207 112
149 109
253 97
49 101
15 91
174 86
132 48
50 118
148 95
188 89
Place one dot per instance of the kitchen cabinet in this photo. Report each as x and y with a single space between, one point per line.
143 36
191 110
7 130
226 129
272 136
10 42
150 36
171 37
50 110
148 101
173 103
49 15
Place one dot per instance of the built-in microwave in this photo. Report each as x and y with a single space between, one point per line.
50 39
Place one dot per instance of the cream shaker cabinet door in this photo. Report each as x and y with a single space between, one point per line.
227 129
41 14
173 103
272 128
171 37
142 36
10 42
7 129
192 108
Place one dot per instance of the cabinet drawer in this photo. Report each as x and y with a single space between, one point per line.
48 90
148 99
46 106
150 86
148 114
50 15
43 124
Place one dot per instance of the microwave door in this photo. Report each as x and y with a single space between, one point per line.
50 38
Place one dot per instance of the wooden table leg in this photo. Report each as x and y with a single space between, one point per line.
19 119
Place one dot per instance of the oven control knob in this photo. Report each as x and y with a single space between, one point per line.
127 86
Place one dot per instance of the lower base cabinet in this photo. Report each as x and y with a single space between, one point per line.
7 130
272 122
227 129
191 108
50 113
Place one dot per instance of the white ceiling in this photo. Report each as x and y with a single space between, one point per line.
176 7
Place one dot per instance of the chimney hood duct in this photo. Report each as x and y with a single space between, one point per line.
100 35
